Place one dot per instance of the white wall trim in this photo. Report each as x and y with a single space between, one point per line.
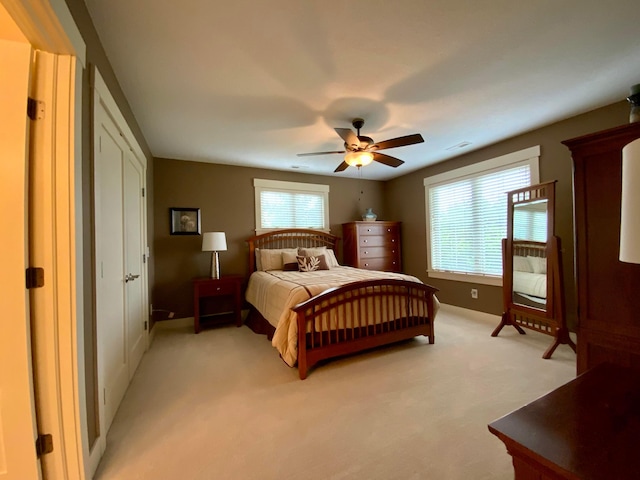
53 248
48 25
111 106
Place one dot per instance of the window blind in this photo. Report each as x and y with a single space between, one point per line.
468 220
286 209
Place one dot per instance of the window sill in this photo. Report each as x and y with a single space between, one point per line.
467 277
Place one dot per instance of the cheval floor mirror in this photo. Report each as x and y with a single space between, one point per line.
533 291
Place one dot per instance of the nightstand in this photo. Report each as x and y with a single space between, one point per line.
226 286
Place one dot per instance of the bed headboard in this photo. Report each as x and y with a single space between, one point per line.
528 248
290 238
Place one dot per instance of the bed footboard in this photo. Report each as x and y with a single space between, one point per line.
360 316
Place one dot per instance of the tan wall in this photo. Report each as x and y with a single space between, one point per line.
225 196
405 202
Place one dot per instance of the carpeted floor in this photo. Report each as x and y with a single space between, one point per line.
222 405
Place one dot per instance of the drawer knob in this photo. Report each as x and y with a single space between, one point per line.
365 241
368 229
366 253
393 240
218 288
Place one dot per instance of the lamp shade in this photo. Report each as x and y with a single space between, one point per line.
630 211
358 159
214 242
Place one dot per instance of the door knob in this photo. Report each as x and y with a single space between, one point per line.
130 277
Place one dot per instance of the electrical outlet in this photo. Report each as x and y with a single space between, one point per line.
474 293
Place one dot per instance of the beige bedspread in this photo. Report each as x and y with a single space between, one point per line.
275 293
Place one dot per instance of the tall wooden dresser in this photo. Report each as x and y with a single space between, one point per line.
608 290
372 245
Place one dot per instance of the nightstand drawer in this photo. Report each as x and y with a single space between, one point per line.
219 287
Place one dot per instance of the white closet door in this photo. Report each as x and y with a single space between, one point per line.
110 283
134 248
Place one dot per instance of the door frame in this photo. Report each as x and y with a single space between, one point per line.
49 27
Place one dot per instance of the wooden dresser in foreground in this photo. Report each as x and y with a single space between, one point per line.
588 429
607 293
372 245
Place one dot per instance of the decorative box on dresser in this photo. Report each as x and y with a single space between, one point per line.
607 289
372 245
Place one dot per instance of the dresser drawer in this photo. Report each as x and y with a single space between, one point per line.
377 241
378 230
387 264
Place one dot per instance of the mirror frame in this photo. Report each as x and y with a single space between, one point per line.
534 193
550 321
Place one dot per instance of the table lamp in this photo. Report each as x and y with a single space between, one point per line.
214 242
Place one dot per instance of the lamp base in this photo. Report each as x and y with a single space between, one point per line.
215 265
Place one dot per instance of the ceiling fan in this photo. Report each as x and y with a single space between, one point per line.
361 150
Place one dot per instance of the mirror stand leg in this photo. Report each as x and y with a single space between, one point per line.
506 320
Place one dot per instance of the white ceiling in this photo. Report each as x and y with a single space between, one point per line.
255 82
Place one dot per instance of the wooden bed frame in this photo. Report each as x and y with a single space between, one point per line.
388 311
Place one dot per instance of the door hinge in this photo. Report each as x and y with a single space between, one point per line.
35 109
35 277
44 444
143 191
145 325
144 258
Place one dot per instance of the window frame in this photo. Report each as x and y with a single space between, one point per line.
261 185
529 156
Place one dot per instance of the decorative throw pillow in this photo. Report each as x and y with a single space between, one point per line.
312 263
290 261
329 254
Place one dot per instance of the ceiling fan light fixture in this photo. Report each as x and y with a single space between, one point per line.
358 159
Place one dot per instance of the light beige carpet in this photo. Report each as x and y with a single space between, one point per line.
222 405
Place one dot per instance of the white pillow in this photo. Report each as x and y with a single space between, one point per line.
271 258
538 264
258 262
329 254
522 264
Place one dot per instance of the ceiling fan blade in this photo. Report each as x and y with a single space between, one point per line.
398 142
387 159
341 167
348 136
318 153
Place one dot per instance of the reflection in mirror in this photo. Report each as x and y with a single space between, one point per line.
530 221
529 254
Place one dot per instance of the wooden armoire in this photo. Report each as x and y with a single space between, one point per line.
608 290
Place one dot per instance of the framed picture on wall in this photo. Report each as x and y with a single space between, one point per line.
184 221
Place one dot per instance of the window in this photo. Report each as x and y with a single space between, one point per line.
467 216
290 205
